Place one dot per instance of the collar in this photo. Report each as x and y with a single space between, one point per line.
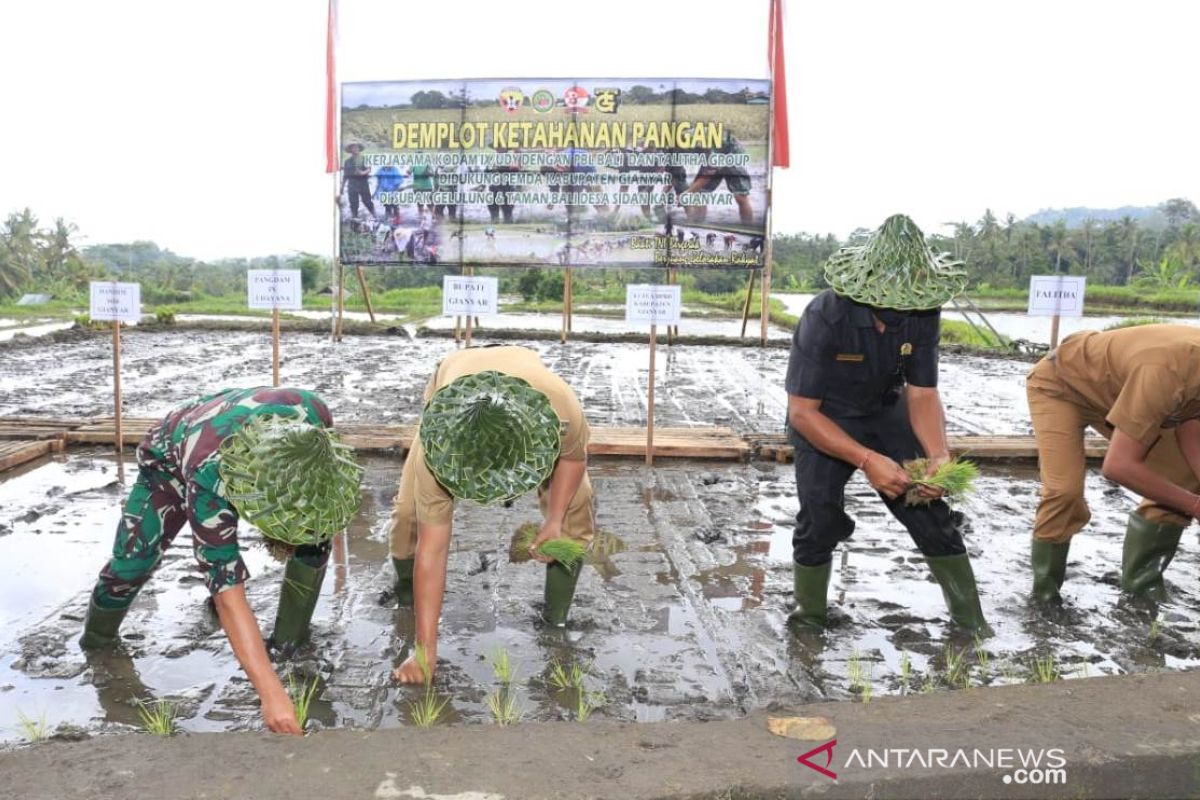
861 316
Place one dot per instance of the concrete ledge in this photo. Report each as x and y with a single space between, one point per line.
1128 736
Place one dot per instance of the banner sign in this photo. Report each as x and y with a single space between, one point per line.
651 304
590 172
472 297
275 288
115 302
1056 295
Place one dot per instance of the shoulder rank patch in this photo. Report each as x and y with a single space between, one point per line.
906 349
855 357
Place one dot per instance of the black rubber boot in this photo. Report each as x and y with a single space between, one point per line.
957 579
559 592
1049 562
403 587
297 602
1149 548
811 590
101 626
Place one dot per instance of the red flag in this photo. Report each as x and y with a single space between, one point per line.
779 125
331 154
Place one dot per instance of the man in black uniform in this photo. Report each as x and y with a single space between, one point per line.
862 394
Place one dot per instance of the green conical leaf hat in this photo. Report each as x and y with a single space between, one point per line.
896 269
293 481
490 437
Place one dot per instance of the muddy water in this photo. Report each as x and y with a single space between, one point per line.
380 378
681 616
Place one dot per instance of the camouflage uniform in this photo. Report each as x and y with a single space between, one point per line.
178 482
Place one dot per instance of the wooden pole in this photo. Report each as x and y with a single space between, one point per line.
1054 332
562 336
275 347
362 284
650 400
570 297
341 299
117 426
746 307
670 328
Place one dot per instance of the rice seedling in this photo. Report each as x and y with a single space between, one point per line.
302 696
564 550
586 702
905 671
428 710
955 666
502 666
158 717
955 477
1045 670
566 677
983 660
866 692
34 730
1009 671
928 686
421 656
1155 630
504 708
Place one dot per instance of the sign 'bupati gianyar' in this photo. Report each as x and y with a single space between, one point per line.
553 172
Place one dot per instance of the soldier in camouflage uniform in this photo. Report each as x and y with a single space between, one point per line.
180 480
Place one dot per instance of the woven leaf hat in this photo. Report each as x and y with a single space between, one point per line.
490 437
293 481
896 269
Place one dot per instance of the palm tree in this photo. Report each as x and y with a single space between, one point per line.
1060 243
1129 237
1186 248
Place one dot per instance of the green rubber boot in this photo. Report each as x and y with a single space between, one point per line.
1149 548
404 580
101 625
1049 561
811 590
297 602
560 591
955 576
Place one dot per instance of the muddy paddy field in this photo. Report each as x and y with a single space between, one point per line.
679 615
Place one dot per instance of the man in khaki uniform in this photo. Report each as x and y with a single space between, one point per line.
496 423
1140 388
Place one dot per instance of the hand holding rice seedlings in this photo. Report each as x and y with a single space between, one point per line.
158 717
504 708
421 656
502 666
955 477
565 550
302 696
34 730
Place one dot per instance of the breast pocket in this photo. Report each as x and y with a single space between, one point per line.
850 368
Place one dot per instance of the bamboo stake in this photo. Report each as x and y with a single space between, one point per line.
1054 331
117 422
362 283
650 400
341 299
746 307
275 347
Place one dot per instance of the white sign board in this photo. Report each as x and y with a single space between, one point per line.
115 302
468 296
650 304
1056 295
275 288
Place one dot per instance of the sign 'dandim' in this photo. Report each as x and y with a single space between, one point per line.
115 302
1056 295
275 288
650 304
468 296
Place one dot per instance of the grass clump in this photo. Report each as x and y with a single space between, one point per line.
159 717
302 695
34 730
955 477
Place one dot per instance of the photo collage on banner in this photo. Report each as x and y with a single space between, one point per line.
555 173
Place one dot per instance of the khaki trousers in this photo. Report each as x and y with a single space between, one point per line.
1060 419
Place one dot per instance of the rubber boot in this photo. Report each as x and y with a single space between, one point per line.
811 593
1049 562
297 602
101 625
1149 548
957 580
560 591
404 580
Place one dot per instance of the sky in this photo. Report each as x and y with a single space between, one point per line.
200 125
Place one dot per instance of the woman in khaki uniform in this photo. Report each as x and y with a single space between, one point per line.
497 423
1140 388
